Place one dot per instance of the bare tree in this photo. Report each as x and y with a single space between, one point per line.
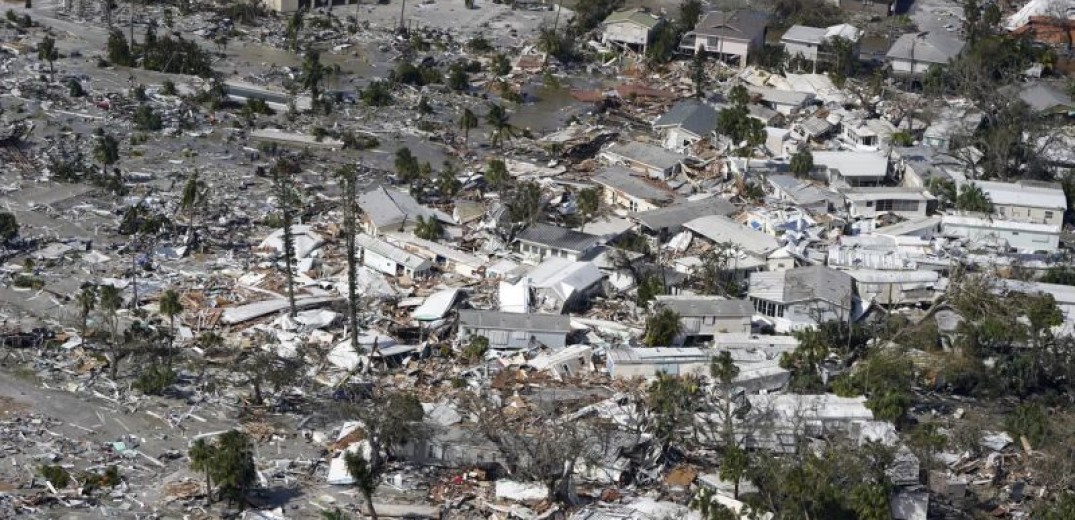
543 446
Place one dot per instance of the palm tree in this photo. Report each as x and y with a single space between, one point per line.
348 181
286 199
86 300
498 118
588 202
202 454
662 328
171 307
312 74
111 302
802 163
195 193
972 198
294 25
365 477
467 122
46 51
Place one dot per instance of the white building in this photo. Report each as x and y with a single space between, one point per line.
1024 237
389 259
728 35
868 203
896 287
802 297
852 168
914 53
801 40
632 27
1027 201
703 317
786 102
627 190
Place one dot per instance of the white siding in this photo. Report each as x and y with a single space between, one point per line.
807 51
625 32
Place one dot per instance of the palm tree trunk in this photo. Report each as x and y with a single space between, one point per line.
171 340
369 504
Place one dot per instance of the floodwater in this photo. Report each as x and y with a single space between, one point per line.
553 105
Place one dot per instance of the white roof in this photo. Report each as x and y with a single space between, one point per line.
853 164
728 339
451 253
305 240
887 276
564 277
390 252
992 223
845 31
436 306
797 408
1063 294
719 228
885 193
1024 194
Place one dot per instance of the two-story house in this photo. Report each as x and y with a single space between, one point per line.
626 189
630 27
807 42
730 35
914 53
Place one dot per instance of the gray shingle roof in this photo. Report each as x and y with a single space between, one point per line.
818 282
929 47
693 116
513 321
387 207
803 284
647 154
673 217
696 306
719 228
1044 98
743 24
558 237
620 178
635 16
804 34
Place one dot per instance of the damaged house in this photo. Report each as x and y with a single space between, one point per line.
629 191
686 123
385 209
389 259
729 35
702 317
645 158
802 297
512 331
541 241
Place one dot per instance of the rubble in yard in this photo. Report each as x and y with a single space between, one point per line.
512 284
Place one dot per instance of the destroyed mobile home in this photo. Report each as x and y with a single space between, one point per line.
514 260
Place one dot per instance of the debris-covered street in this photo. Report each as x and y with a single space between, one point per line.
798 259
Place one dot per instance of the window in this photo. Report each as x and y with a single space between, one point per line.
897 205
1048 215
1000 210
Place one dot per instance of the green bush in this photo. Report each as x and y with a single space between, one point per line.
155 380
1031 421
55 474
